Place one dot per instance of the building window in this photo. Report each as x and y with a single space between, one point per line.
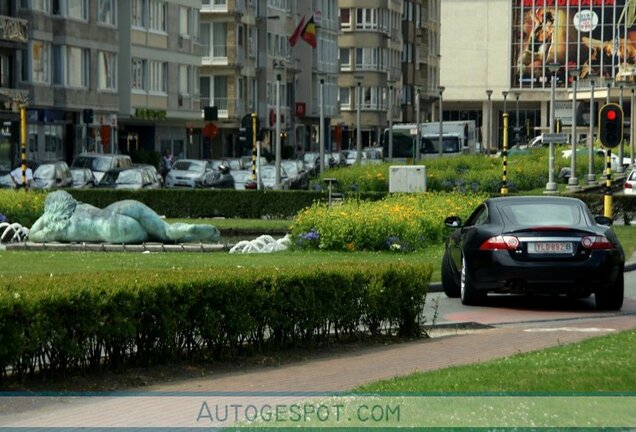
158 77
106 12
345 19
185 80
39 5
77 67
138 74
107 70
184 21
57 69
77 9
366 58
367 19
345 59
158 15
138 13
40 62
345 98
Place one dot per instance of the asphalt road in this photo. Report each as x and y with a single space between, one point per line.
523 310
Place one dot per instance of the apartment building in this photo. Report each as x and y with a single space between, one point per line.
388 55
248 65
507 47
109 76
13 39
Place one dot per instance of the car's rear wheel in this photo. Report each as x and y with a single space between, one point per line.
449 281
469 294
612 297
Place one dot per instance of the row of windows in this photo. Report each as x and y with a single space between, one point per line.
145 14
74 9
369 59
369 19
67 66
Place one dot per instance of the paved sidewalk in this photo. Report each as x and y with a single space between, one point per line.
345 371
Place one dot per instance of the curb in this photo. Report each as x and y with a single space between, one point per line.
436 287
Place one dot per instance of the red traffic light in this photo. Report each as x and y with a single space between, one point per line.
611 115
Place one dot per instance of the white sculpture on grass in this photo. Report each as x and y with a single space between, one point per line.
262 244
12 232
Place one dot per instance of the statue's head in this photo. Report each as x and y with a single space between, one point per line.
58 210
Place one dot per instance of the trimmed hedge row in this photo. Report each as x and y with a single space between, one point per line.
58 323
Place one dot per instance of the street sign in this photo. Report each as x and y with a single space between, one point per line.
554 138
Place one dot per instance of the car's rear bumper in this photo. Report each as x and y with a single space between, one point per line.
497 271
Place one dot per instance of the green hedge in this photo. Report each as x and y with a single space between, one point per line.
60 323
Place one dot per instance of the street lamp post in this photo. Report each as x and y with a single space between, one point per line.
441 121
418 132
591 177
321 128
489 94
517 131
358 131
631 131
573 182
550 187
505 109
277 138
620 168
390 122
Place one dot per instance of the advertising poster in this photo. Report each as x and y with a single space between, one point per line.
597 37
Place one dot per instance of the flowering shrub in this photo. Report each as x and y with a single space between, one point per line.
23 207
399 222
466 174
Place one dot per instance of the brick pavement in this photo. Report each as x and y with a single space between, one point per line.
345 371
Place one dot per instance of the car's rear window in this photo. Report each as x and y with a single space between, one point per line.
542 214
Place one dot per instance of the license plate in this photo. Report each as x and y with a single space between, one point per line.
550 248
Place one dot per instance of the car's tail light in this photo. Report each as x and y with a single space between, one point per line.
627 186
596 243
506 242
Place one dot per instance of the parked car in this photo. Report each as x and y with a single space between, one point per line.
128 178
268 178
533 245
100 163
247 161
52 175
339 158
311 160
152 171
240 177
191 173
614 161
298 177
83 178
235 164
630 183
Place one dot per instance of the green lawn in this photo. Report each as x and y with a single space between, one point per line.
602 364
18 263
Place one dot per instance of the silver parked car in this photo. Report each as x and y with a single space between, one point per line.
192 173
83 178
52 175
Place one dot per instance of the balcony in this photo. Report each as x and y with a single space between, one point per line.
13 29
228 108
222 55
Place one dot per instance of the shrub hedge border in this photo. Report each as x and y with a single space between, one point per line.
57 324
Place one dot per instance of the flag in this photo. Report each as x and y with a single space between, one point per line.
309 33
296 34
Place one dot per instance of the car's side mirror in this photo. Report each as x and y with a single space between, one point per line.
603 220
453 222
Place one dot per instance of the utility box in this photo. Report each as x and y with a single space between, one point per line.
407 178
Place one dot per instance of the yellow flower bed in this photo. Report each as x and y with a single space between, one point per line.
399 222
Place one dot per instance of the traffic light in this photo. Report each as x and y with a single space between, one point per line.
610 125
245 131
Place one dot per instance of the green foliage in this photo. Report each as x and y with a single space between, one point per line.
56 323
468 173
400 222
23 207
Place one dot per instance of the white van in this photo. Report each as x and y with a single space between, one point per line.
100 163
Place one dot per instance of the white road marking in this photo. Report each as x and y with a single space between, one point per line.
571 329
